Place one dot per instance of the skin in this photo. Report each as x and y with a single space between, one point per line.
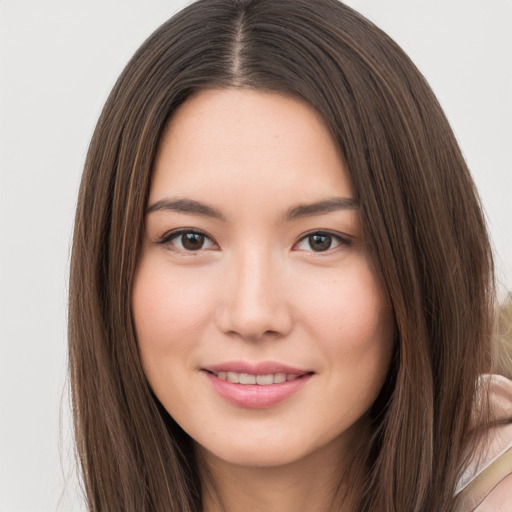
255 290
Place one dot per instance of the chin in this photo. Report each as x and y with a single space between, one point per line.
270 451
253 456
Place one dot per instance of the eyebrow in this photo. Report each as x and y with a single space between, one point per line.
295 212
186 206
320 207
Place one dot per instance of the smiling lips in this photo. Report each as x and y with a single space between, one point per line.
261 380
256 386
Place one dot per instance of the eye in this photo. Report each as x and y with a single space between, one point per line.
321 241
188 241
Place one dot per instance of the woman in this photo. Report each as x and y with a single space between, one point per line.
281 283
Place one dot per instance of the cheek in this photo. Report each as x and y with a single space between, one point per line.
351 322
169 314
167 308
351 307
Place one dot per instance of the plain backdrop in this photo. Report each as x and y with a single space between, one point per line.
58 61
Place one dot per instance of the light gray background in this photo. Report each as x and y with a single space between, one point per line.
58 61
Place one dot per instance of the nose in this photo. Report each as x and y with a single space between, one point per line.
254 305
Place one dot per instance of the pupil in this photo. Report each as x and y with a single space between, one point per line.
320 242
192 241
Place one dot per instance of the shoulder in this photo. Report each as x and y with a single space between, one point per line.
486 484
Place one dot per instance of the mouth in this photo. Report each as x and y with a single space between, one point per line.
259 380
257 386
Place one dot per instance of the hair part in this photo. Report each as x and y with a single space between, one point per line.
420 214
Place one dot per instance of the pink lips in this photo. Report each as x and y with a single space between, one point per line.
256 396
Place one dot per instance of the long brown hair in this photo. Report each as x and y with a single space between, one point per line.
420 213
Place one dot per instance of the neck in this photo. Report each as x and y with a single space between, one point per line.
323 481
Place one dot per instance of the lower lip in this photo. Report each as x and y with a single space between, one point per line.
254 396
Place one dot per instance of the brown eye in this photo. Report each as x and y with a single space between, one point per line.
192 241
186 240
320 242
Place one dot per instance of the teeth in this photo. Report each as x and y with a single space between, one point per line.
245 378
233 377
262 380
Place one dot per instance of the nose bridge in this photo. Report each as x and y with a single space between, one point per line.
255 303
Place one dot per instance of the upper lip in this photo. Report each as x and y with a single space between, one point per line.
260 368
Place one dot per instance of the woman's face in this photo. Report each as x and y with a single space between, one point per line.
263 329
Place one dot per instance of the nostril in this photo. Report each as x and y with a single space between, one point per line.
255 336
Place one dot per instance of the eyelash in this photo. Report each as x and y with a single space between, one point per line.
167 239
341 241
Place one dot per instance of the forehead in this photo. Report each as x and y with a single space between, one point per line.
250 141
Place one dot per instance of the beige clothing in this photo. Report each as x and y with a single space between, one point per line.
486 485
